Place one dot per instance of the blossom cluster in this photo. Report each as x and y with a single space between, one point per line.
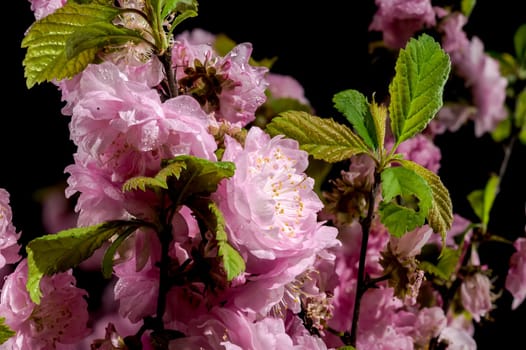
301 243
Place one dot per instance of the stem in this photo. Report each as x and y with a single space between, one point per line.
165 237
166 59
507 155
361 284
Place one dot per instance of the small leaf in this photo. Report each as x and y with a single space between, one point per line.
379 113
355 107
502 131
209 213
198 177
5 331
421 71
482 200
440 216
233 263
159 181
109 254
95 37
446 265
53 253
407 198
519 42
46 41
467 6
520 109
322 138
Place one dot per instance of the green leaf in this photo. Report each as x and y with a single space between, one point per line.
379 113
109 254
520 109
322 138
355 107
199 177
421 71
209 213
446 265
46 41
502 131
5 331
440 216
159 181
97 36
482 200
178 6
233 263
53 253
466 6
407 198
519 42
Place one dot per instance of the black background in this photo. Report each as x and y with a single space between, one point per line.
324 45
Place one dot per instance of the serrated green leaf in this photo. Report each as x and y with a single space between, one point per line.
481 201
232 261
96 36
440 216
379 113
209 213
46 41
53 253
159 181
421 71
322 138
406 201
5 331
198 177
519 43
446 265
355 107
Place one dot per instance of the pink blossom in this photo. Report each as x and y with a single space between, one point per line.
516 277
124 125
476 297
398 20
240 88
9 247
383 324
411 243
271 213
43 8
420 149
480 71
136 289
59 320
197 36
430 321
225 328
270 203
451 117
457 339
286 86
